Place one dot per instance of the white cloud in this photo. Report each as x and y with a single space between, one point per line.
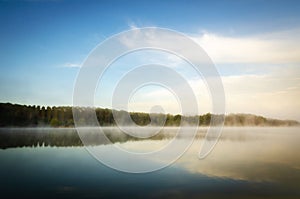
278 47
269 48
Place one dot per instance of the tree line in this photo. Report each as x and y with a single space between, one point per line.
15 115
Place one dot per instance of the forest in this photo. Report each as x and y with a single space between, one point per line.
15 115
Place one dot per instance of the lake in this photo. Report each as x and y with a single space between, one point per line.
255 162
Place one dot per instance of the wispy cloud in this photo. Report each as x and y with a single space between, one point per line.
270 95
273 95
72 65
132 25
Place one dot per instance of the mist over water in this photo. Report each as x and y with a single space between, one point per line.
22 137
255 162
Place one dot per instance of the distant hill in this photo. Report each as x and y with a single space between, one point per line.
15 115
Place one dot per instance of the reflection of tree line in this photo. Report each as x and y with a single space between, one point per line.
33 137
34 116
64 137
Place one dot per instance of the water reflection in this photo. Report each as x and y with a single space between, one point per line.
246 163
252 154
33 137
271 155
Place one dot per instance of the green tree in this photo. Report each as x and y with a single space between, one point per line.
54 122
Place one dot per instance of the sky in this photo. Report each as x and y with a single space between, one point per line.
253 44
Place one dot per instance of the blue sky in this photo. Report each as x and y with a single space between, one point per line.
43 42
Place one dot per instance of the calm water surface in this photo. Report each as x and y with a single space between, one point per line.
246 163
